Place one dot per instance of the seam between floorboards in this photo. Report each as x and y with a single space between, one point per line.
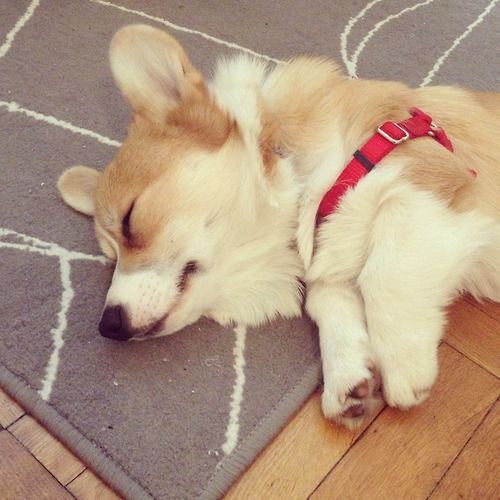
490 409
78 475
475 305
353 444
29 451
24 446
15 421
85 467
380 412
470 359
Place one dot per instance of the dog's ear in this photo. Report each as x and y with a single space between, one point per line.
77 187
152 71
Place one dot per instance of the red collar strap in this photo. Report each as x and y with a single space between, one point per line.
388 136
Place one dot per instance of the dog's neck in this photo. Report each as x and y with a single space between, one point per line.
320 135
317 159
306 118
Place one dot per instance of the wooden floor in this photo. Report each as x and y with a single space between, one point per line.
447 448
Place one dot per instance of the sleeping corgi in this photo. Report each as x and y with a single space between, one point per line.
210 208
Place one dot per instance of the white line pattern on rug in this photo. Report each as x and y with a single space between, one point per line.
65 256
32 244
183 29
58 332
428 79
351 64
233 427
14 107
5 47
351 70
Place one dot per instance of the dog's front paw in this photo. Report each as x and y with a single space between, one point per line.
350 396
407 381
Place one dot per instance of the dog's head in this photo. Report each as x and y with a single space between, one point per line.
185 207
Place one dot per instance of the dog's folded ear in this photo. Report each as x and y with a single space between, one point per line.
77 186
152 71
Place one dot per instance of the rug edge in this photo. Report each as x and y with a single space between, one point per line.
92 456
231 467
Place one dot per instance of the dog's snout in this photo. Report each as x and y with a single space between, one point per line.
114 324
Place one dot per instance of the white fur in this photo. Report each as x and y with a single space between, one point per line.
249 269
315 185
387 264
147 295
237 86
379 271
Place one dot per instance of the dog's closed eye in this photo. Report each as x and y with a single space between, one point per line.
190 268
126 231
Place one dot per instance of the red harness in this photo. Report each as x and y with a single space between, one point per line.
388 136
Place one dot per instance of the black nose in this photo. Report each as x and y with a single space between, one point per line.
114 324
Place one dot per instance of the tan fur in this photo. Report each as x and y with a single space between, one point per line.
210 207
303 104
270 141
200 121
312 93
145 170
307 98
149 66
230 174
173 118
143 158
79 179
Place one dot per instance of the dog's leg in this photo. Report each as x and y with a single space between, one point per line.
483 280
420 257
351 379
351 382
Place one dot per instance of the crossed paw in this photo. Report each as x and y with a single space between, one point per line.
354 392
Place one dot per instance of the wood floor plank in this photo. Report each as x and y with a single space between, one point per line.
404 454
50 452
298 458
22 476
476 472
10 411
492 309
87 486
475 334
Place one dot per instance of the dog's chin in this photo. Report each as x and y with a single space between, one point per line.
142 338
152 330
166 325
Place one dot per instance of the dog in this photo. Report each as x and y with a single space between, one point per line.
210 208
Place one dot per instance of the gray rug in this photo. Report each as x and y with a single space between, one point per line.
178 417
